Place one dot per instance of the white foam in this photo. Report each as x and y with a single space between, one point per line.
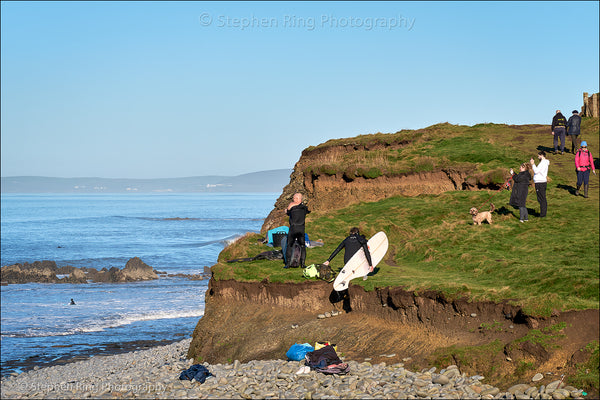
108 323
130 319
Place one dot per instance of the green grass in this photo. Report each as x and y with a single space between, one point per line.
587 376
476 357
524 367
545 337
495 326
480 148
545 264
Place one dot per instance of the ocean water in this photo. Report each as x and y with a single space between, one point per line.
175 233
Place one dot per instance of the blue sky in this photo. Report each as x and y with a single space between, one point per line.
175 89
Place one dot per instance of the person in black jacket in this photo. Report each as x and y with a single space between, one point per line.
559 123
574 129
353 243
297 212
518 197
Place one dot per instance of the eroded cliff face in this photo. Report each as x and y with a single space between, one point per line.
248 321
323 191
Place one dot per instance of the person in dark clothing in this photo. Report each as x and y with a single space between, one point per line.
72 302
297 212
353 243
574 129
559 123
518 197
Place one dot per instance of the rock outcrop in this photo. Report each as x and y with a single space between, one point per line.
41 272
47 272
591 105
137 270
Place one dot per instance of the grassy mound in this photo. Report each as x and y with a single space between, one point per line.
484 149
542 265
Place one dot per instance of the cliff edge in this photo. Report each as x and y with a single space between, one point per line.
248 321
247 318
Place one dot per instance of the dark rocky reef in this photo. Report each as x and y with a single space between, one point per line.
48 272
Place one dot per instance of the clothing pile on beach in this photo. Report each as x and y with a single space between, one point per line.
326 361
196 372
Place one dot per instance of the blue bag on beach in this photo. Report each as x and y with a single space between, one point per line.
197 371
298 351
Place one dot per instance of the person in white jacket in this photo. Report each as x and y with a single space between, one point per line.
540 180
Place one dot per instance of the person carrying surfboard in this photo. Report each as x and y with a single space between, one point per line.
351 245
297 212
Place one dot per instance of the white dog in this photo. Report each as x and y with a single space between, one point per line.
479 217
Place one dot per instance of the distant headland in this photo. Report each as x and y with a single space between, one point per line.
263 181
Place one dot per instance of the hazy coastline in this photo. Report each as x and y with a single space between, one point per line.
255 182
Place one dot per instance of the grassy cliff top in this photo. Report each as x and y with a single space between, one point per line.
482 149
544 264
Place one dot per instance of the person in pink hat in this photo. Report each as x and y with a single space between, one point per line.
584 162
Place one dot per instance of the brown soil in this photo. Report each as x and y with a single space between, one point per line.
247 321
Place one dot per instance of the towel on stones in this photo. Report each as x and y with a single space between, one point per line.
197 371
326 360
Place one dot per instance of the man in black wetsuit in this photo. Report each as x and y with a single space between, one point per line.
351 245
297 212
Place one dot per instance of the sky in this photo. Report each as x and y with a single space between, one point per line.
179 89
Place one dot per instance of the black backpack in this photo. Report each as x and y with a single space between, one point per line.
295 258
296 255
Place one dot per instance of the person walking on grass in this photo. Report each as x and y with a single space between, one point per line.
573 130
540 180
518 197
583 164
297 212
353 243
559 123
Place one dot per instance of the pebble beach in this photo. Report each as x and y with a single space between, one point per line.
154 374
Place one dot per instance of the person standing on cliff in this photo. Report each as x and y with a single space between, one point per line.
518 197
297 212
573 130
583 163
540 181
559 123
353 243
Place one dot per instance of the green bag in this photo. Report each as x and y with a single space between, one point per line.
310 271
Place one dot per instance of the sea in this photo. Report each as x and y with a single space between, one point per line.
174 233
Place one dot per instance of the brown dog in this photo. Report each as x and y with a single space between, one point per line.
479 217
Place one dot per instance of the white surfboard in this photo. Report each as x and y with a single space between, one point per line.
358 266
